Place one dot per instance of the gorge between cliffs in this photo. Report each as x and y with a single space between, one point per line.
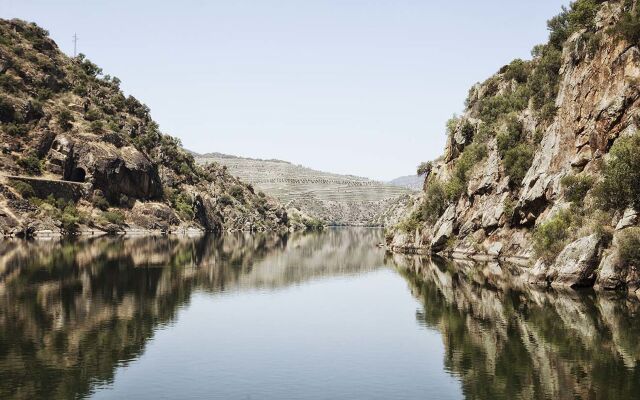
132 266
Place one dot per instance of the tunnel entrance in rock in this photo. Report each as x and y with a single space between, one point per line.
78 175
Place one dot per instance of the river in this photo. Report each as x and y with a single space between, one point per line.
318 316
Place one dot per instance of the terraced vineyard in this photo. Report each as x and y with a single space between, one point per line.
336 199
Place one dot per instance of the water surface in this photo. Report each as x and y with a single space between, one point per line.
319 316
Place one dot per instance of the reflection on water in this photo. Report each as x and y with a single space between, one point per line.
73 314
509 341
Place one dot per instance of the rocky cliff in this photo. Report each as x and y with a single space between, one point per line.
78 155
543 163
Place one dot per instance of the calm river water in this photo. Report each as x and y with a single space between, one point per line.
318 316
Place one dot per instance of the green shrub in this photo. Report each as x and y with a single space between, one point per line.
313 224
99 201
550 237
24 189
576 187
511 136
471 156
434 202
14 129
113 217
225 200
628 27
93 114
7 111
411 223
237 191
468 130
517 162
620 186
8 83
65 119
70 219
183 204
581 14
452 124
454 188
544 80
491 108
517 70
424 168
629 247
509 208
31 164
96 126
184 169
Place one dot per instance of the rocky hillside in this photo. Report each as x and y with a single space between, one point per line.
79 155
544 163
332 198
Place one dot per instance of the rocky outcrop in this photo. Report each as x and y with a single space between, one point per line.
614 273
575 266
519 139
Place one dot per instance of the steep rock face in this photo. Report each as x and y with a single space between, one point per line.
521 135
575 265
115 171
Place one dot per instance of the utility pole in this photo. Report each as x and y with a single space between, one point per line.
75 45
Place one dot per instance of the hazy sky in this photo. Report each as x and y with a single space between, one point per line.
347 86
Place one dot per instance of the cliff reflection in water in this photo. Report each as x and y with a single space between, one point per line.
505 341
71 313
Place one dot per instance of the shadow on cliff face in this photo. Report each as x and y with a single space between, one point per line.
505 340
72 312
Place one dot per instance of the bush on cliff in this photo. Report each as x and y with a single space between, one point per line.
510 136
629 247
70 218
434 202
517 162
628 27
424 168
237 191
31 164
65 119
225 200
550 237
620 186
576 187
183 204
470 157
113 217
24 189
518 70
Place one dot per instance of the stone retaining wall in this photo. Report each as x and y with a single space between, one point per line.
59 189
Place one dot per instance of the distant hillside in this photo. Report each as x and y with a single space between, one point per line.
413 182
334 198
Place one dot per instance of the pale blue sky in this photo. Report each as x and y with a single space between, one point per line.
351 86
